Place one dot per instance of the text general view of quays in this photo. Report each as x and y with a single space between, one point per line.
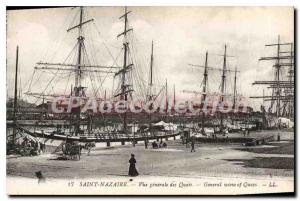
150 100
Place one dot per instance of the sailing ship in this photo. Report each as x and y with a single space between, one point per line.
82 127
216 118
281 100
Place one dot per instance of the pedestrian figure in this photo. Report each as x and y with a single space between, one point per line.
41 178
164 145
193 146
154 145
182 138
132 170
160 144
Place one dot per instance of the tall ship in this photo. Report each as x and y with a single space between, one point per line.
75 114
221 107
278 104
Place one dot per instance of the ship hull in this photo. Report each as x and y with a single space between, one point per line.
97 138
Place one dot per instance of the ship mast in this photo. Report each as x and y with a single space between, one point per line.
150 87
205 75
78 73
278 92
150 92
291 79
167 102
234 96
15 96
151 70
223 84
80 42
204 91
234 88
174 97
126 67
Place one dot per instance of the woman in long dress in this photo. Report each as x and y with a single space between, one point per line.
132 170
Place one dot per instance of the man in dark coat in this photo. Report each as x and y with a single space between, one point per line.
146 143
193 146
132 170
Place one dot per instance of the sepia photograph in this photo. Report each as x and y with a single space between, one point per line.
150 100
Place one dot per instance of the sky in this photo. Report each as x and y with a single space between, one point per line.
181 36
